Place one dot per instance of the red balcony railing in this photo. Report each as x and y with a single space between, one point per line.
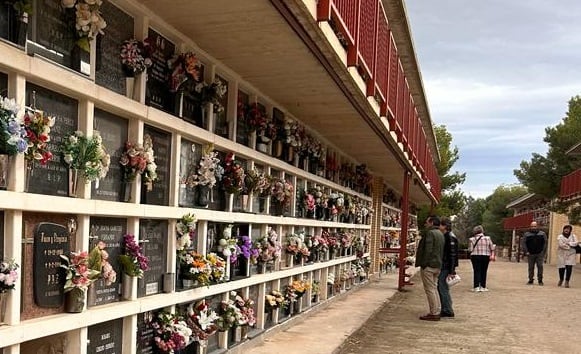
571 185
363 28
379 89
521 221
344 14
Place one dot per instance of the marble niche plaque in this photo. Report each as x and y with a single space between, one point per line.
105 337
153 236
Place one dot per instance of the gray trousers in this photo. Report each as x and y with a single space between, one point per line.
537 259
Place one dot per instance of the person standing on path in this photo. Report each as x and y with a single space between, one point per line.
429 259
481 247
535 247
449 264
566 254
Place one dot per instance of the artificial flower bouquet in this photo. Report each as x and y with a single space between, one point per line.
86 154
37 126
133 262
282 191
218 267
171 332
186 231
246 307
139 159
248 249
229 315
8 275
99 261
135 57
89 22
274 300
233 179
209 170
13 137
79 274
186 71
296 244
212 93
202 320
195 266
269 247
228 244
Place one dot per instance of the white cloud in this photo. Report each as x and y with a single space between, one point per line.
496 79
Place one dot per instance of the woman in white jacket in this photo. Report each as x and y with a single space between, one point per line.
566 255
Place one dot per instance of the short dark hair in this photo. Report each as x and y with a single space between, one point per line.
435 220
568 227
446 222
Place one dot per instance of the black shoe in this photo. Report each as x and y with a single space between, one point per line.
530 282
446 314
541 283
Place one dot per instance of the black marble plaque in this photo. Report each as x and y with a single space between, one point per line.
108 69
52 179
145 334
159 195
105 337
5 20
113 130
190 155
153 236
50 241
214 230
253 295
193 112
221 127
242 130
3 84
157 92
214 302
54 36
110 231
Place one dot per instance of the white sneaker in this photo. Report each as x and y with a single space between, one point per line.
484 289
476 290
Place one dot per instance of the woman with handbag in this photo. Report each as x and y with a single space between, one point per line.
566 254
481 248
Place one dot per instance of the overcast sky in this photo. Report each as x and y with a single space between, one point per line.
496 73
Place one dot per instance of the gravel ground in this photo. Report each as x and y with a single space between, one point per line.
512 318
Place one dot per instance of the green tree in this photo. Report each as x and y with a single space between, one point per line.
453 200
542 173
448 157
496 211
470 216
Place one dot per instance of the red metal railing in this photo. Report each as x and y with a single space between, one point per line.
521 221
392 77
381 60
363 28
571 185
344 13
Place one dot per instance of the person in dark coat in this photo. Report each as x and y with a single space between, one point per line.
449 264
535 247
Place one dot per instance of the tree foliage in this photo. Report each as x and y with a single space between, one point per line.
542 174
448 157
496 211
453 200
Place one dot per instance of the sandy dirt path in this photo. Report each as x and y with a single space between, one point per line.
512 318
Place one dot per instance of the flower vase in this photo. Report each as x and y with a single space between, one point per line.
20 29
3 304
128 287
189 283
290 158
262 204
289 260
245 198
277 149
261 268
92 295
129 87
244 332
73 182
4 171
125 194
261 145
169 282
75 300
28 174
203 196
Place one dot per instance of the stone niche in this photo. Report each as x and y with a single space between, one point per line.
43 296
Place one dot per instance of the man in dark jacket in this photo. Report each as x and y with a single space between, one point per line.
449 264
429 259
535 246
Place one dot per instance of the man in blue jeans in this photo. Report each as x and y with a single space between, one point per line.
449 264
535 247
